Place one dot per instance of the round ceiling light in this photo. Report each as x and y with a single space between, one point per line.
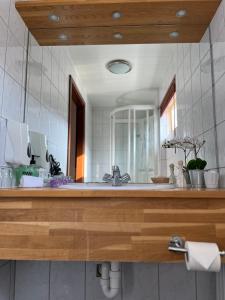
53 18
174 34
181 13
63 37
118 36
119 66
117 15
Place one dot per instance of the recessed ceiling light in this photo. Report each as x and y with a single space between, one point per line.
63 37
174 34
118 36
181 13
116 15
54 18
119 66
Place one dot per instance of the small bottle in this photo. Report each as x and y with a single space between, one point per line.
180 177
172 178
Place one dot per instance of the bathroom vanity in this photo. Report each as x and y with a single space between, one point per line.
106 224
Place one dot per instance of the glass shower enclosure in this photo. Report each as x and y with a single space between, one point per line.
135 141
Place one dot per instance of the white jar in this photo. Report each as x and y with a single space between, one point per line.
211 179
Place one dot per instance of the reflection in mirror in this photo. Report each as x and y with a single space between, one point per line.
122 117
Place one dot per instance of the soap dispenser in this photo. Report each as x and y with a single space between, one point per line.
180 177
172 178
34 169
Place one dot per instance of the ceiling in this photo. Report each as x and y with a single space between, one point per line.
140 86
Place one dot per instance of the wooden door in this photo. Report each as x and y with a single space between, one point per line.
76 134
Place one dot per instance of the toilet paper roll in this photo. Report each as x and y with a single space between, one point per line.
202 257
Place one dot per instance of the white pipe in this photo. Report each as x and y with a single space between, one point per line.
110 279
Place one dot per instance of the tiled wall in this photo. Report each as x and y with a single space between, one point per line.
78 281
44 106
100 142
200 77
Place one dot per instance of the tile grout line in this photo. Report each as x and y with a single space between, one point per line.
213 97
49 280
196 286
85 280
158 282
26 78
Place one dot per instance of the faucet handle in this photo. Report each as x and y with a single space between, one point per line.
125 178
107 178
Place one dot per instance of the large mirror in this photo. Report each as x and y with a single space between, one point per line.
119 104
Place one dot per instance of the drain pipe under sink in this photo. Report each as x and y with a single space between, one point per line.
110 279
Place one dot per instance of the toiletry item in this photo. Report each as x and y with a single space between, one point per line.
31 182
25 170
60 180
202 257
33 161
17 143
6 177
211 179
160 179
172 178
39 149
181 183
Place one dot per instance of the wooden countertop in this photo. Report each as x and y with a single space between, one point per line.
115 193
107 225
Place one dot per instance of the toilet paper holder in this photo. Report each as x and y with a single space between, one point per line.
177 244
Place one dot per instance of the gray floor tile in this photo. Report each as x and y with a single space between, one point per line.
176 283
67 281
3 262
140 281
32 280
93 289
206 286
5 277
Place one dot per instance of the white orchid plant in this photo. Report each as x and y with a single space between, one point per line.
188 145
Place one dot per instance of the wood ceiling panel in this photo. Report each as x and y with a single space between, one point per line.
95 14
90 22
131 35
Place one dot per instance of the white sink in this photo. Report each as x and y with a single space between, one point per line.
106 186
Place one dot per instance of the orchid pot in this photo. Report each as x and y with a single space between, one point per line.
196 171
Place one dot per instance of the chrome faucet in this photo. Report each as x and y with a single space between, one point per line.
116 178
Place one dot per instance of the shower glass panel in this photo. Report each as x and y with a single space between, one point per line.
134 141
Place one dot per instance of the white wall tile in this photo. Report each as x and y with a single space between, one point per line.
204 44
2 139
14 58
34 79
197 118
188 101
221 143
210 149
219 55
33 113
196 85
187 65
220 99
3 41
4 10
195 56
217 22
12 99
2 73
208 111
16 25
206 73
